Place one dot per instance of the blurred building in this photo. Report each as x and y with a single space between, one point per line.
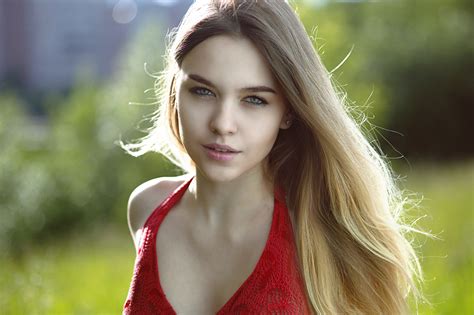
43 43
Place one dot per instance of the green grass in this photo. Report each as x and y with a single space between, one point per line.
448 263
90 274
83 275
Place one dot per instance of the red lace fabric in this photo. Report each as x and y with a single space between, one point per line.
274 287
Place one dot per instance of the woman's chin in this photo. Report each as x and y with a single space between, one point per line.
219 174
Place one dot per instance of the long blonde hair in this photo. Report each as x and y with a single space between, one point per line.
353 251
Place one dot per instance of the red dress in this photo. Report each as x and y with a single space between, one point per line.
274 287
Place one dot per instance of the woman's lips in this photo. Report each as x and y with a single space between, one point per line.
220 152
220 147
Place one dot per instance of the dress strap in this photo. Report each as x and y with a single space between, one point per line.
163 208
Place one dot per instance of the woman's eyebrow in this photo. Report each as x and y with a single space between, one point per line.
254 89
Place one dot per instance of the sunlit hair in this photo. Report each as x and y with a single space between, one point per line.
352 243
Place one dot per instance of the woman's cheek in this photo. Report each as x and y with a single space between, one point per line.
192 118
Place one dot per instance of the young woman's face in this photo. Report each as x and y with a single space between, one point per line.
227 96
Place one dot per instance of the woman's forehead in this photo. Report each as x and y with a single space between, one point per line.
230 61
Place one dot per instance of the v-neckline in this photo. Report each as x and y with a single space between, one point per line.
167 205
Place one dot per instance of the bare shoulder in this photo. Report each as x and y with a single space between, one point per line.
146 197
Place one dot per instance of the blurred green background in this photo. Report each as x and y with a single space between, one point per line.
64 242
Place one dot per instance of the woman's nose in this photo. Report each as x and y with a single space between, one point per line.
223 120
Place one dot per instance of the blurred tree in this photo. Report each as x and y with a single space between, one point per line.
428 53
78 177
413 59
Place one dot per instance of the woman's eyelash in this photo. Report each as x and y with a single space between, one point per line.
257 100
202 91
252 99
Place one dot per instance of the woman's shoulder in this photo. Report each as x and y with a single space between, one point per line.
146 197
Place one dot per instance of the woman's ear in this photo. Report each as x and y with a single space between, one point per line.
287 120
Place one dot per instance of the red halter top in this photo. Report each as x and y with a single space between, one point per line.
275 286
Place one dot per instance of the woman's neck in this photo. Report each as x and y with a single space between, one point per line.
225 204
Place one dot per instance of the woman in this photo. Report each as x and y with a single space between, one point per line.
284 206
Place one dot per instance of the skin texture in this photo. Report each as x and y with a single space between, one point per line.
225 112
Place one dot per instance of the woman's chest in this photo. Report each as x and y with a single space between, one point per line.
199 276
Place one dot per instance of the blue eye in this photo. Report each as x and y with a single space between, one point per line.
254 100
201 91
